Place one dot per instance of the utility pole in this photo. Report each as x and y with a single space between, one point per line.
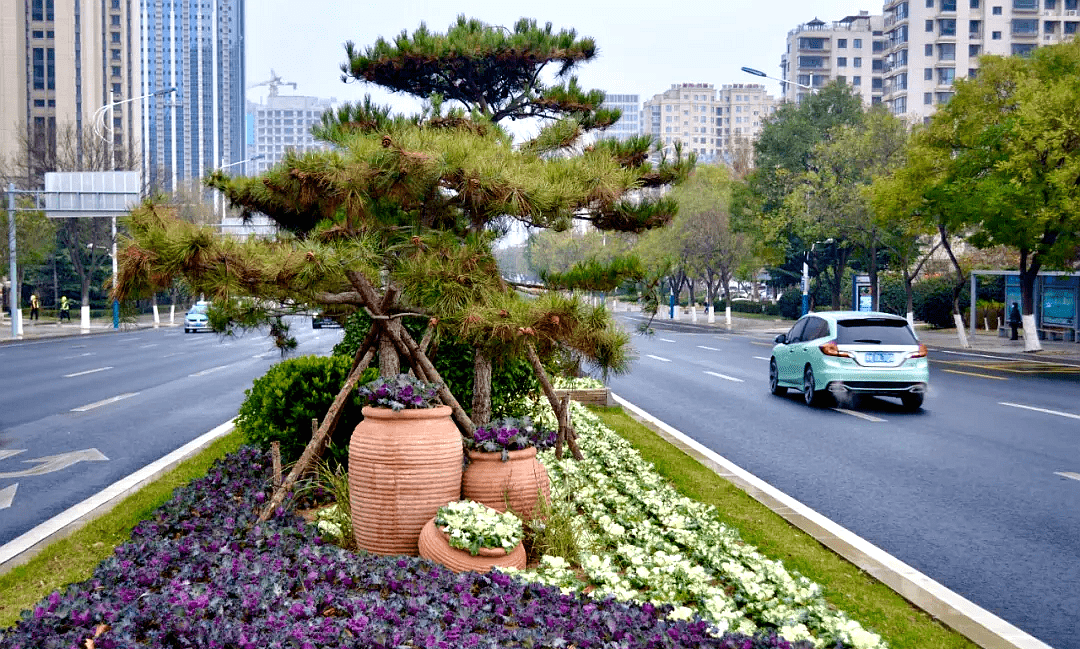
16 314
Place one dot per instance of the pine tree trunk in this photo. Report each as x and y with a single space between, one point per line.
481 397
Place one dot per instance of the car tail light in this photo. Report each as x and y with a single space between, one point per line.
830 349
921 353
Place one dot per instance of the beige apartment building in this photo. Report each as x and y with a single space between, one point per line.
930 43
60 62
851 50
712 123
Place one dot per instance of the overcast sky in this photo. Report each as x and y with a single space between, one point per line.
644 47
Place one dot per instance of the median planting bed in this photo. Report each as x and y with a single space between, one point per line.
656 570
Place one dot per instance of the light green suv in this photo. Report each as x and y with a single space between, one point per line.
850 353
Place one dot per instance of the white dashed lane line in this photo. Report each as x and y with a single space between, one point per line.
761 358
1042 410
860 415
725 377
209 371
1068 474
103 402
99 369
711 349
665 340
659 358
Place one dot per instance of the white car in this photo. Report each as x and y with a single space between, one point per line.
196 319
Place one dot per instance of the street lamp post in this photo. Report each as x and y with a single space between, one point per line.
806 276
98 120
759 73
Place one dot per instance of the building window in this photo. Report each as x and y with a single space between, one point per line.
1050 4
116 70
856 62
115 55
1025 5
996 11
37 10
947 52
856 81
877 65
1070 27
1025 26
877 84
928 74
974 27
856 43
929 25
995 36
928 98
39 68
973 50
115 4
50 68
974 4
947 27
929 4
1050 27
115 37
945 76
1022 49
841 61
928 49
948 5
115 21
841 43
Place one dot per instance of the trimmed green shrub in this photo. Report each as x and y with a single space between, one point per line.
790 303
511 380
932 299
280 405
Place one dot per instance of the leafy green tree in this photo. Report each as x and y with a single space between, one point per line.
783 155
1011 138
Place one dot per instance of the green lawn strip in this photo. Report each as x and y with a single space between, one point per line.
73 559
851 590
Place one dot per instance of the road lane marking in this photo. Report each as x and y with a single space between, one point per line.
209 371
659 358
711 349
4 454
725 377
665 340
68 358
1068 474
104 402
981 376
860 415
762 358
754 342
1042 410
100 369
59 462
175 354
7 495
148 346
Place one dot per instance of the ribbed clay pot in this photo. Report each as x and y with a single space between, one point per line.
403 466
435 546
517 483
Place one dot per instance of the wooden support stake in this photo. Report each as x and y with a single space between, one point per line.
275 453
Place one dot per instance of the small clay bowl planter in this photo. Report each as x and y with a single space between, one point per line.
435 546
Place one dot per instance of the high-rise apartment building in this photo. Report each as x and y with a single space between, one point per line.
104 69
851 50
706 122
281 124
930 43
196 46
629 125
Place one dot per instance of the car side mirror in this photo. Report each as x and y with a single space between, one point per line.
781 339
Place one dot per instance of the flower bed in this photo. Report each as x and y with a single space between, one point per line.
647 543
203 573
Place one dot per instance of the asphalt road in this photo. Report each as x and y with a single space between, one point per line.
980 490
123 400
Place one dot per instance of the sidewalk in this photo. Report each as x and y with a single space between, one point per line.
50 328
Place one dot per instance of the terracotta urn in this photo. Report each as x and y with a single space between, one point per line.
517 484
435 546
403 466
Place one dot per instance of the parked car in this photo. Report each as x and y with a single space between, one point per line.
323 319
850 353
196 318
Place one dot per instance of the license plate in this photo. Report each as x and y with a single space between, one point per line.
879 357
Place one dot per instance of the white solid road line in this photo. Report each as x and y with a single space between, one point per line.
979 625
100 369
860 415
725 377
104 402
659 358
1042 410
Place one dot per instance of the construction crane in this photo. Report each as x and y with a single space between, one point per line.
274 82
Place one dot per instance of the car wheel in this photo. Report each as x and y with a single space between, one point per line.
811 395
912 401
774 379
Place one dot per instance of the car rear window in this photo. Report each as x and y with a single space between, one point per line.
879 331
